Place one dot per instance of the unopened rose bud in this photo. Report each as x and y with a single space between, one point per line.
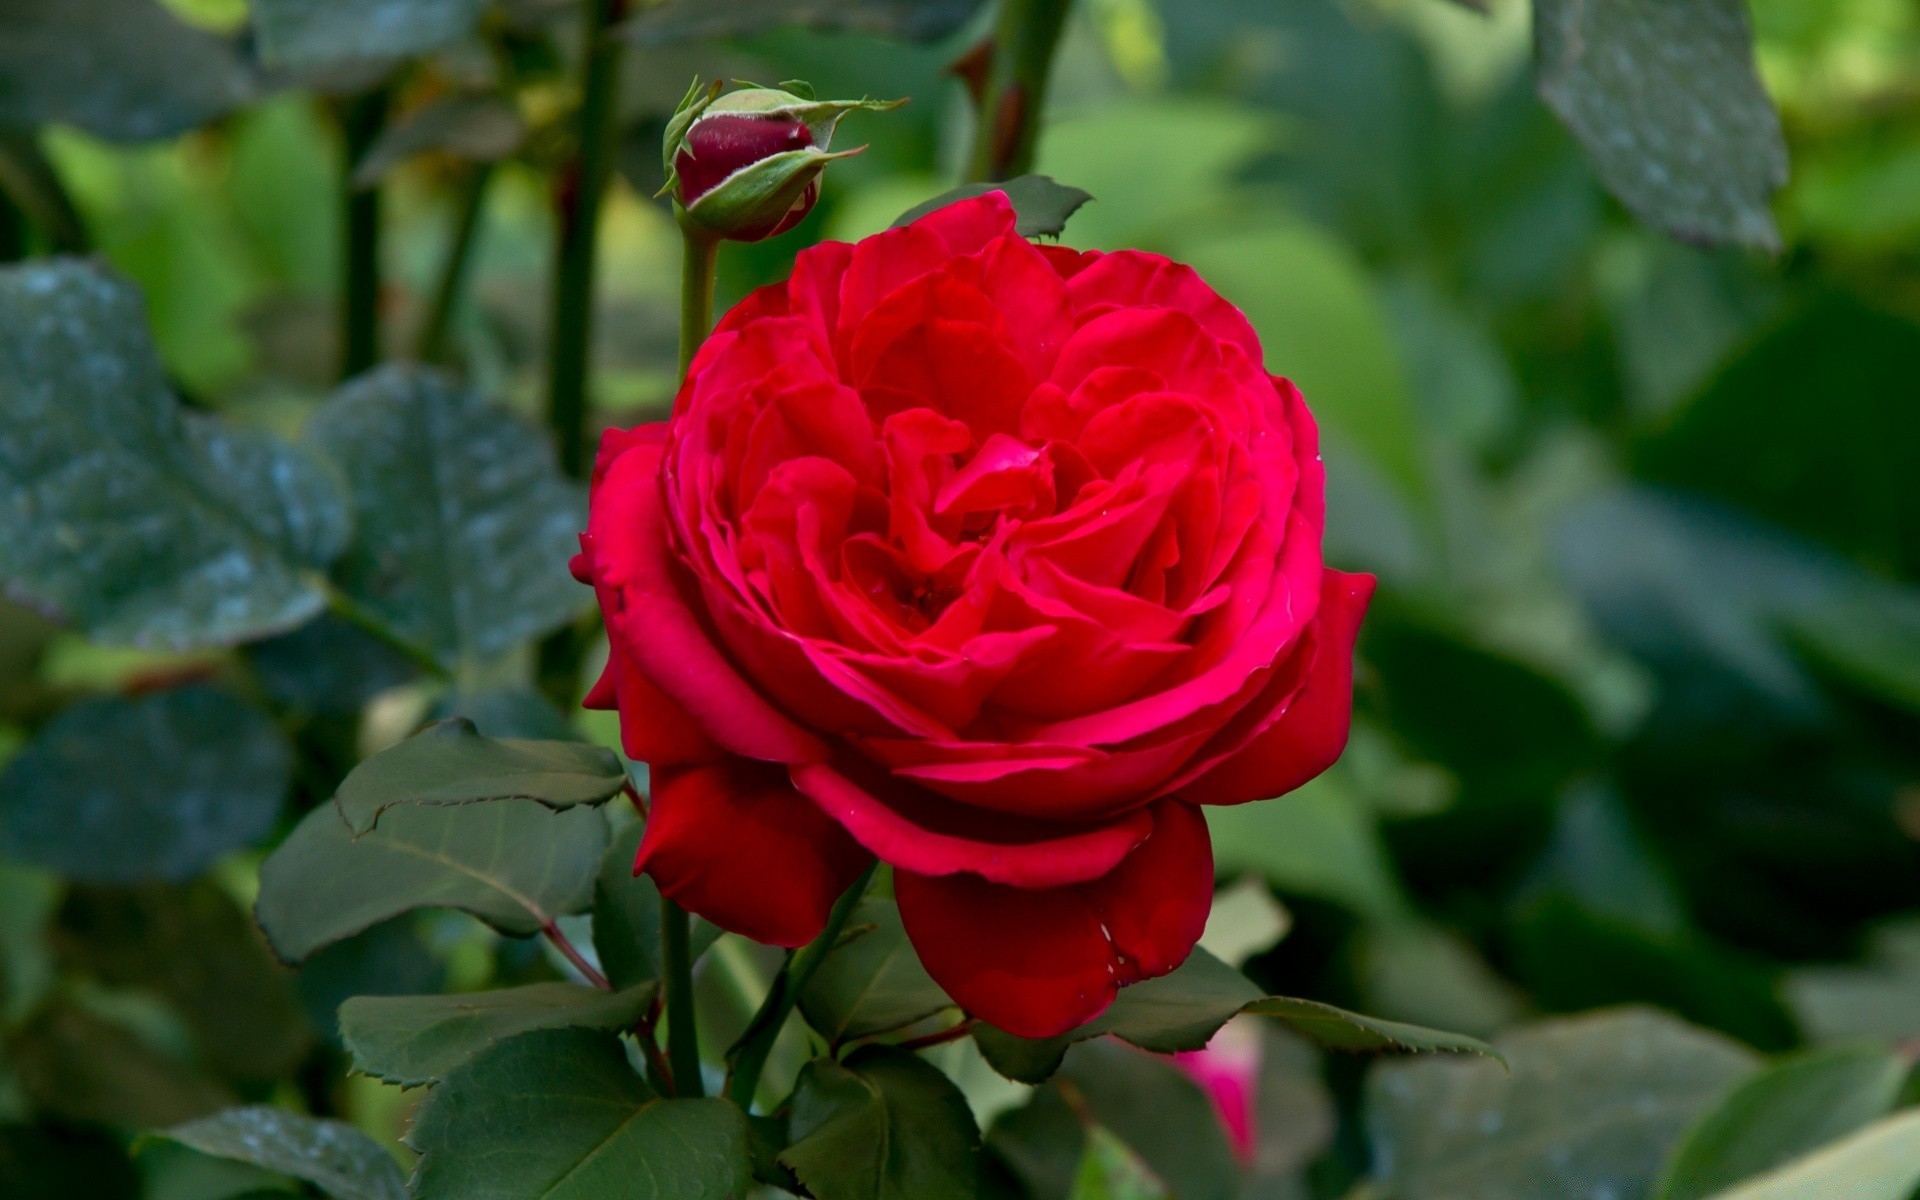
747 165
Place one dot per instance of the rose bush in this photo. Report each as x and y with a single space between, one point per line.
992 560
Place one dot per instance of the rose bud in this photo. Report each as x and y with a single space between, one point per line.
746 165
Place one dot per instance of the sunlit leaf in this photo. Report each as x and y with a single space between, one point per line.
1881 1162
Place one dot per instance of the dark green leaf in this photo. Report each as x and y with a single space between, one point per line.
411 1040
390 959
1665 97
1041 207
463 522
1869 639
559 1114
1041 1143
1160 1113
1789 1109
884 1125
474 128
333 36
695 20
195 947
1752 439
57 1163
332 1155
77 1066
871 983
514 864
121 791
126 70
1881 1162
450 763
137 522
1023 1060
327 666
1592 1106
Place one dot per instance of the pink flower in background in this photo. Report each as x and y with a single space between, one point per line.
1228 1070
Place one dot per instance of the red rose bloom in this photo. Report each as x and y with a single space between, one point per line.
991 559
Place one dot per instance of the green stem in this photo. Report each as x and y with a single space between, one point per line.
1016 92
31 182
748 1058
583 183
699 257
447 293
361 120
683 1030
360 617
13 230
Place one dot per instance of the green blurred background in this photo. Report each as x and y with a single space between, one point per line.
1638 701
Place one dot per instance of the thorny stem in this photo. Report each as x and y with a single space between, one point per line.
1016 89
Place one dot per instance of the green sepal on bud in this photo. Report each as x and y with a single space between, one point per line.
746 165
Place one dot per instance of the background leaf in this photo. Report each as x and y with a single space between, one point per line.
333 1156
139 523
126 70
1665 97
687 20
1591 1104
464 524
123 791
560 1115
1791 1108
329 36
514 864
1041 206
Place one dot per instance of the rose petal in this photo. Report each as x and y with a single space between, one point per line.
1309 733
660 633
917 831
1038 963
736 844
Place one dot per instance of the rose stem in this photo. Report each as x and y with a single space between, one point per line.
454 268
683 1034
579 188
699 256
361 120
749 1055
13 230
572 954
1016 91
